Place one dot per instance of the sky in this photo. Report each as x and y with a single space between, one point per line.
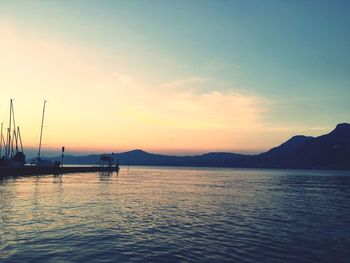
176 77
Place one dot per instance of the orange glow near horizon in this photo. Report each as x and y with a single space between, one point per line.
95 103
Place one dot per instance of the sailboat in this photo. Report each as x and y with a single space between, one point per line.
13 155
38 161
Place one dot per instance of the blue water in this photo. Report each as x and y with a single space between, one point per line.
150 214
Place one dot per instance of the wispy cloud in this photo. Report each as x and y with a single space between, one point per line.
184 104
107 104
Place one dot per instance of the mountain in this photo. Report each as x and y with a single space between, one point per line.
330 151
139 157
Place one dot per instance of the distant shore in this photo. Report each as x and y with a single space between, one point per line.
326 152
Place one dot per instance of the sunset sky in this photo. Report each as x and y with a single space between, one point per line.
178 77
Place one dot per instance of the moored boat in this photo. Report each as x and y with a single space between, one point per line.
39 162
11 150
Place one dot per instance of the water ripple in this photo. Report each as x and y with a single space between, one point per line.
177 215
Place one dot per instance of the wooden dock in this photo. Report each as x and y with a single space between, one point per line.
35 170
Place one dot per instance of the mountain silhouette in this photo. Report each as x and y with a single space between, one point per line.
330 151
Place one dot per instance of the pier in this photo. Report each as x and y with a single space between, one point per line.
35 170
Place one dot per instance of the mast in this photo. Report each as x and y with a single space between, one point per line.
14 138
41 132
19 138
8 140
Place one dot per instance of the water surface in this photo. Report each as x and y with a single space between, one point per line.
150 214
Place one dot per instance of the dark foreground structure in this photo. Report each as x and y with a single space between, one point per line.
35 170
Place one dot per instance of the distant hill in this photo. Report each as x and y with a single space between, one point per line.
330 151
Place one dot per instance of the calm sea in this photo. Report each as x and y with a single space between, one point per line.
150 214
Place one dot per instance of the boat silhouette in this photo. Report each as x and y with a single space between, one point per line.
12 160
11 149
38 161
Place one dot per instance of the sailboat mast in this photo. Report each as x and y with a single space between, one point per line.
8 143
14 139
41 132
14 148
19 138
